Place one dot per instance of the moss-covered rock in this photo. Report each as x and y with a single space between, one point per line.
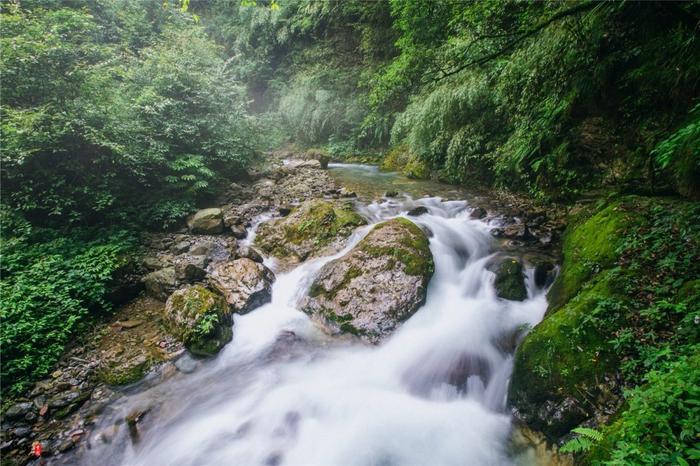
123 372
200 318
562 360
591 244
314 228
509 282
378 284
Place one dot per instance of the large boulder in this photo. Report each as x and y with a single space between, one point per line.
561 364
207 222
200 318
161 283
378 284
244 283
313 228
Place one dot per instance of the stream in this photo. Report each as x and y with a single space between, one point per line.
284 393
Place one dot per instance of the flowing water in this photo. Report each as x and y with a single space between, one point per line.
283 393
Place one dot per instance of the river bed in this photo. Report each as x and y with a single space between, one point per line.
284 393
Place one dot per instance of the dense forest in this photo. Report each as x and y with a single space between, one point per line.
125 116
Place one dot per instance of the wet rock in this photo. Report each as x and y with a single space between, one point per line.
418 211
21 432
344 192
545 273
200 318
313 228
454 370
18 410
509 281
250 253
517 231
391 194
206 222
377 285
497 232
161 283
244 283
478 212
64 399
284 210
186 364
239 231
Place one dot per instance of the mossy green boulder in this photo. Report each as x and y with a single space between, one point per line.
200 318
510 282
377 285
314 228
562 361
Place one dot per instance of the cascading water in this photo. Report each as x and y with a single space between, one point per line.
283 393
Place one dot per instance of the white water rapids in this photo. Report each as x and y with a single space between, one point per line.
268 399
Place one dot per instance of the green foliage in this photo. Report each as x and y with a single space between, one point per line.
680 153
548 98
661 424
50 284
91 122
584 442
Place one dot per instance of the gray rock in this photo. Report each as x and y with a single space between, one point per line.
517 231
190 268
18 410
239 231
207 222
63 399
202 248
250 253
244 283
378 284
478 212
180 247
161 283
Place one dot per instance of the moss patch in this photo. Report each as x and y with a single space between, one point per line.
201 319
413 249
565 355
591 244
509 281
314 224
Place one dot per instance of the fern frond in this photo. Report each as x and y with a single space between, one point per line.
589 433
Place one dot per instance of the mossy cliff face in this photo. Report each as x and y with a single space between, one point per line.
624 306
313 228
200 318
378 284
563 360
